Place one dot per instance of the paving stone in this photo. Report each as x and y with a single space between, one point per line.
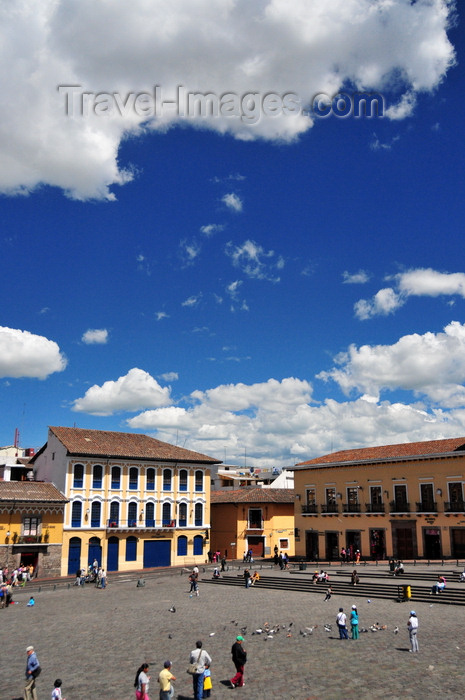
95 639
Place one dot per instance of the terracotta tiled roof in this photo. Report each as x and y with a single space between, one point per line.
390 452
253 495
30 491
107 443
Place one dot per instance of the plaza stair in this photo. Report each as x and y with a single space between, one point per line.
365 589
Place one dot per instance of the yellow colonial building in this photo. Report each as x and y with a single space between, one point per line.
31 526
402 501
134 502
256 519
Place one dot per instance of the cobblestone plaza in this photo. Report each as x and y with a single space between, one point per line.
94 640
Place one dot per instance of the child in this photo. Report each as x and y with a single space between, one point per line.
31 602
56 692
207 681
329 593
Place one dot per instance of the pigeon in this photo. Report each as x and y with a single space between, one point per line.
310 629
396 630
328 628
244 630
172 609
170 636
258 631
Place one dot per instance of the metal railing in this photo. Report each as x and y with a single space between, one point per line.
310 508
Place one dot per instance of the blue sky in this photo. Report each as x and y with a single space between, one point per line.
262 293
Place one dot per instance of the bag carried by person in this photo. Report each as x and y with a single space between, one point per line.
36 672
192 669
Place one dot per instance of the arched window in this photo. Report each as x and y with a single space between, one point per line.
198 544
149 515
166 514
182 514
95 514
115 478
198 514
166 479
76 514
97 472
199 480
182 546
150 479
133 478
183 480
78 480
132 515
131 548
114 514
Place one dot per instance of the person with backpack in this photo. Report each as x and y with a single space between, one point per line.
141 682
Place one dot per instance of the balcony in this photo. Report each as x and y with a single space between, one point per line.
351 507
399 507
255 525
29 539
329 508
454 506
374 507
310 509
132 524
427 507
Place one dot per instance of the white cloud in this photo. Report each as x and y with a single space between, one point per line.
24 354
208 46
384 302
189 251
160 315
255 261
415 282
95 336
431 365
360 277
232 201
210 229
135 391
169 376
192 301
276 422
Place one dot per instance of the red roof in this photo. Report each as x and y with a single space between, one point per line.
252 495
99 443
31 491
390 452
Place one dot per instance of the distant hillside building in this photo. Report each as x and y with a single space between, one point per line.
134 502
403 501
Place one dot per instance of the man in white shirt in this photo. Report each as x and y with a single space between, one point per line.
412 626
341 620
199 657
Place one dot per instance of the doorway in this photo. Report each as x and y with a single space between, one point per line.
332 546
432 543
311 545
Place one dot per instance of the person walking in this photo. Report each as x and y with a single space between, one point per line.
141 682
412 626
165 678
32 671
341 621
239 657
354 622
56 692
329 593
200 658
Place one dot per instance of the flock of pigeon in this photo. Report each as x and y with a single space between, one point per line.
269 631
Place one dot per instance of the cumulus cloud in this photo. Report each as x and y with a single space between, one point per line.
95 337
415 282
431 365
278 422
254 261
189 251
232 201
133 392
211 47
360 277
24 354
169 376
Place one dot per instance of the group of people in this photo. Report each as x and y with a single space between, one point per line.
281 559
341 621
215 557
199 668
95 574
32 672
350 554
320 576
18 576
250 579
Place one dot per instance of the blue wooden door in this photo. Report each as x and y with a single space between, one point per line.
95 551
112 556
157 553
74 555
